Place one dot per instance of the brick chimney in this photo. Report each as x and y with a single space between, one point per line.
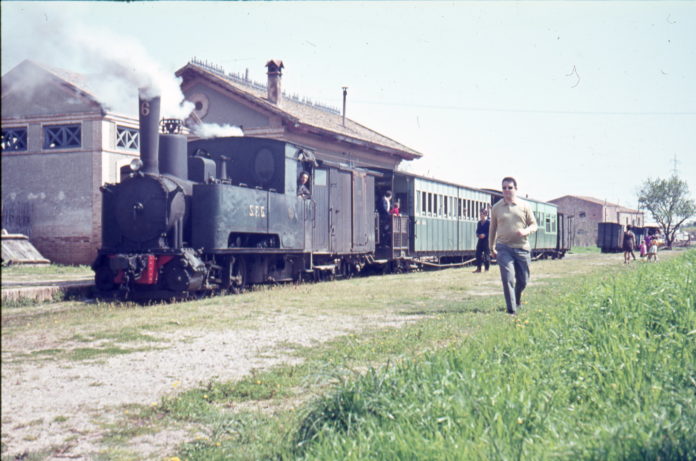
275 72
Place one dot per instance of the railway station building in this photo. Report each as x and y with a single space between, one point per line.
264 110
586 213
59 146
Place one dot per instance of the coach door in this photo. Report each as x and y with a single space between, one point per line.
320 199
363 211
340 211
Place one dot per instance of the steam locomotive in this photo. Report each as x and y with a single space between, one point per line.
216 215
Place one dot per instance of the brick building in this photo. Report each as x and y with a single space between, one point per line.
587 212
59 145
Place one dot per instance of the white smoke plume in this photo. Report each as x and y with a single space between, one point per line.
113 66
213 130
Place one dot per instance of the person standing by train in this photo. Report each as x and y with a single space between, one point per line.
384 209
629 244
483 256
512 221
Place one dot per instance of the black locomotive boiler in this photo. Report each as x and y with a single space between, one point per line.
219 214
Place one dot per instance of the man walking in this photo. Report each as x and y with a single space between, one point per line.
482 252
512 221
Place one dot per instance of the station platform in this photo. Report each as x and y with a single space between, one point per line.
21 290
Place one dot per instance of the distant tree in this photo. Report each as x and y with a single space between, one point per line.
669 203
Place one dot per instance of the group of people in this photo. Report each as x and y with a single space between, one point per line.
389 207
504 235
648 246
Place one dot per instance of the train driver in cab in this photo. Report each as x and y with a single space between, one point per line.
303 186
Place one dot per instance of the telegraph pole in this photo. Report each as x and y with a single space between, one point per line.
675 171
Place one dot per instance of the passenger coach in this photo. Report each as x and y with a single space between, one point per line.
437 226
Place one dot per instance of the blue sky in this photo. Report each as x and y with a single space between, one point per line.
586 98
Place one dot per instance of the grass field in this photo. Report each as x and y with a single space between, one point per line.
599 365
607 371
600 368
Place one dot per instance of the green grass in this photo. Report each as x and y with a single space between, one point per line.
605 372
48 269
290 411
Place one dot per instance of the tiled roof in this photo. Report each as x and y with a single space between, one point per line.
599 202
303 113
74 81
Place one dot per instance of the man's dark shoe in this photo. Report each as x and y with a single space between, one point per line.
477 271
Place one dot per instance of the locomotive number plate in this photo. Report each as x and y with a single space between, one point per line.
257 211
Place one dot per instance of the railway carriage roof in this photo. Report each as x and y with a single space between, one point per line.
302 113
498 193
439 181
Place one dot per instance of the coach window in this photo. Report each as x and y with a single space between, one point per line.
424 203
430 203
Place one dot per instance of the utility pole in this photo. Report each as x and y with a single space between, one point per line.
675 171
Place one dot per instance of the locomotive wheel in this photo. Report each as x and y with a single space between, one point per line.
176 277
238 276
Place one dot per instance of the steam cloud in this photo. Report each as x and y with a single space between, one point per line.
113 67
213 130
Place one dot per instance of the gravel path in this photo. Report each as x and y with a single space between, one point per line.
57 406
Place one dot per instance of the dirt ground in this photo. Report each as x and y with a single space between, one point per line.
60 406
56 408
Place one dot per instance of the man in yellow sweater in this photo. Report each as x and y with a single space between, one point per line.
512 221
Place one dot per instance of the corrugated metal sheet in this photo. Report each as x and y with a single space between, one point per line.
17 249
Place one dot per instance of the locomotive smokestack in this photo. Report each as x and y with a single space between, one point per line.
149 111
275 72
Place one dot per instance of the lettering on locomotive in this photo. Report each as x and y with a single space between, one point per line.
145 108
257 211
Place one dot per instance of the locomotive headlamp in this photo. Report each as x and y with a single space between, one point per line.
136 164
